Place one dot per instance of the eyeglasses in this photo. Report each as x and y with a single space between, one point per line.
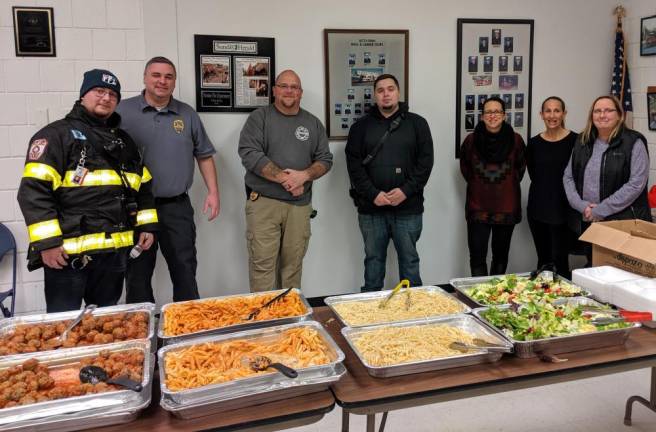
292 87
102 92
492 113
603 111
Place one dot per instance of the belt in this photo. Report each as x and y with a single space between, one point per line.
168 200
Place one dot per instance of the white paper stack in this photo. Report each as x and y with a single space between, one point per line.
600 281
637 295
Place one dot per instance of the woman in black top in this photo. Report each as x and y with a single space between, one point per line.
547 155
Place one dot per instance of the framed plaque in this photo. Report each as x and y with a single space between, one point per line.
353 61
34 31
494 58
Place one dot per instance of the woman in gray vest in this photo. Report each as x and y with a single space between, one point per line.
606 178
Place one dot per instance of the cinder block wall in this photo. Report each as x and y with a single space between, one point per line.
36 91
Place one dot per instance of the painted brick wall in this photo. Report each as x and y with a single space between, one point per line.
34 92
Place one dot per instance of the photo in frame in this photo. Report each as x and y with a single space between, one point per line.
648 36
651 108
503 67
34 31
353 60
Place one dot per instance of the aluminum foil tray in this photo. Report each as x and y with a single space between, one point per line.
8 325
380 295
564 344
167 340
463 284
464 322
81 412
251 390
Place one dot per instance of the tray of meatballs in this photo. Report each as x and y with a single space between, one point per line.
74 388
29 334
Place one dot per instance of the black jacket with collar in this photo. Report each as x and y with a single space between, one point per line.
404 161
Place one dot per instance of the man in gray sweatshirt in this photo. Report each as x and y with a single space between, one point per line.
283 148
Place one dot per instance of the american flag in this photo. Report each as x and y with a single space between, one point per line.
621 86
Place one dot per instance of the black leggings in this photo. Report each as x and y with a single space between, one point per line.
478 236
552 245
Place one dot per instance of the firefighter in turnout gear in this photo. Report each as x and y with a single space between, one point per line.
86 198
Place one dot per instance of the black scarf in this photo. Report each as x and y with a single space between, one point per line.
494 147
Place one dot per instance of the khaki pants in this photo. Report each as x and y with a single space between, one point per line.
277 236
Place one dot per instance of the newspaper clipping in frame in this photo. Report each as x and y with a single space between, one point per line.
252 86
215 71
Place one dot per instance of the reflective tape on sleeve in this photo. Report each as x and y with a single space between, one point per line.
146 176
44 230
42 172
146 217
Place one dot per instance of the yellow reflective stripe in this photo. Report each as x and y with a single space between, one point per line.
44 230
102 178
146 176
98 241
43 172
146 216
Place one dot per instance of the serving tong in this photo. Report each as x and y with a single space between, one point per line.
404 283
546 267
84 312
479 345
267 304
614 315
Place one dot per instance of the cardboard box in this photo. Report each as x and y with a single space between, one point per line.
627 244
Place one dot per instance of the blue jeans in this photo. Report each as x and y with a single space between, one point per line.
377 229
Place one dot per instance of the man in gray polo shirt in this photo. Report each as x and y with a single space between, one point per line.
283 148
170 135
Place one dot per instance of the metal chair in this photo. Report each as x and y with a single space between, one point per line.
8 243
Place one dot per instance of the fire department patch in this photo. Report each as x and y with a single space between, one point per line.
178 125
37 148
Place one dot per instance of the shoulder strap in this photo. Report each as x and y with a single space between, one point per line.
394 125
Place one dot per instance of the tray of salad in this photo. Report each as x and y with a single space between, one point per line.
515 288
564 325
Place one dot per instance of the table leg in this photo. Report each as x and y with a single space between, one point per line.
382 422
371 422
651 404
345 420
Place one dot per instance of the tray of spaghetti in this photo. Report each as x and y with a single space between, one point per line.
565 325
44 392
389 350
29 334
219 315
214 373
516 288
364 309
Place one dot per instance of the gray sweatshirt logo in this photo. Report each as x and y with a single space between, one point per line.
302 133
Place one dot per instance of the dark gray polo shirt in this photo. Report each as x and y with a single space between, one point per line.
170 139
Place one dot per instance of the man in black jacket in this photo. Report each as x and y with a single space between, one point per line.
85 195
389 155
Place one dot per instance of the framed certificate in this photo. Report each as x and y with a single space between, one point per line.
34 31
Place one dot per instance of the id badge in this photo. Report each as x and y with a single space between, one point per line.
80 173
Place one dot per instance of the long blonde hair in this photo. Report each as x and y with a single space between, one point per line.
590 133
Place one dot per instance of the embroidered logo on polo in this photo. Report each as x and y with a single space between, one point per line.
109 79
37 148
302 133
178 125
493 173
78 135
